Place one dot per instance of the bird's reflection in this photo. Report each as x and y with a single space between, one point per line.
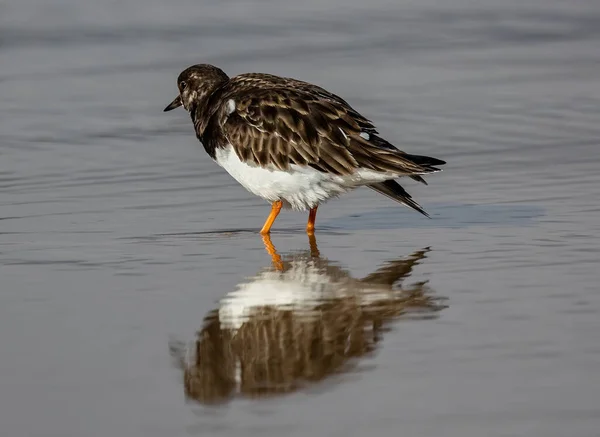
298 321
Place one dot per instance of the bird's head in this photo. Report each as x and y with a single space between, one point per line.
196 84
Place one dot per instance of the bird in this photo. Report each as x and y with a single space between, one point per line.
292 143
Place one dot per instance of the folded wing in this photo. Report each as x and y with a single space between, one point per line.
288 125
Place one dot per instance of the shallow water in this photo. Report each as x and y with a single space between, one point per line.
124 250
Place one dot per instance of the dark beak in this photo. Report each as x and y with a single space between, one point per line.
174 104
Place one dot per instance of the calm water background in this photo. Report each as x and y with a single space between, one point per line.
111 214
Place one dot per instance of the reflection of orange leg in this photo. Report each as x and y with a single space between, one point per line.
275 208
312 215
312 242
277 263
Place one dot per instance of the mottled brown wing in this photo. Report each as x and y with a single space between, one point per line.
263 81
281 127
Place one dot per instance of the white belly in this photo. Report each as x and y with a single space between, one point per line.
300 188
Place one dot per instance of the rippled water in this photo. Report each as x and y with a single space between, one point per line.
137 299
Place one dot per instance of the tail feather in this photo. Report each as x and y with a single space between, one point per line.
426 162
418 179
394 190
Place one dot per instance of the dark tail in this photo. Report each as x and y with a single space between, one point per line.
427 162
394 190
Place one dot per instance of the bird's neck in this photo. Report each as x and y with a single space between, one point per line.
200 116
203 108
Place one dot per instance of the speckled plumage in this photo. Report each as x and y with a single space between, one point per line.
284 139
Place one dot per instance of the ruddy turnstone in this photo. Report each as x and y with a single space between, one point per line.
292 143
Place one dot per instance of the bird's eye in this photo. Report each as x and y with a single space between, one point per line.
182 84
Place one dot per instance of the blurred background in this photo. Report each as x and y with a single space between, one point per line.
136 298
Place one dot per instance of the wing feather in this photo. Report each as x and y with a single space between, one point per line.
285 125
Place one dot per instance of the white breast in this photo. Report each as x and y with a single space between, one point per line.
300 188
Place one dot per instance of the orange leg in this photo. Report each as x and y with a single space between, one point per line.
275 258
275 208
310 226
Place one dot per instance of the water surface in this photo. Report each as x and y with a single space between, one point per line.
122 245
